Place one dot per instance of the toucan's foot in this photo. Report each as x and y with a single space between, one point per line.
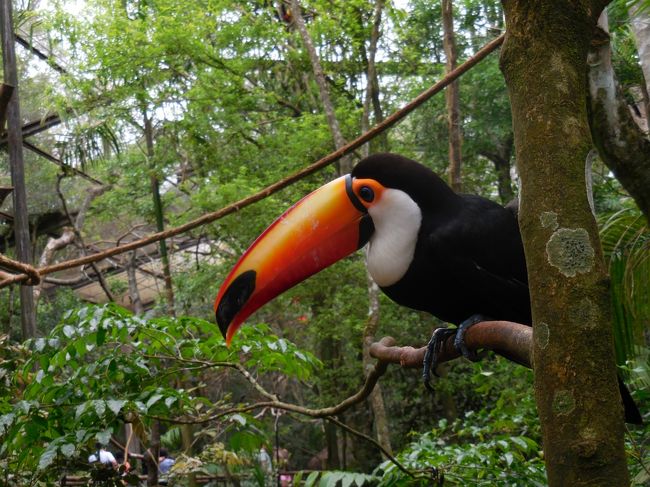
459 341
433 352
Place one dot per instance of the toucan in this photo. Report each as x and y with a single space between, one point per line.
459 257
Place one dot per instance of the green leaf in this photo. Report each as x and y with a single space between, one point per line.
101 336
153 400
39 344
330 479
80 435
104 436
100 407
47 457
509 458
79 410
6 420
311 479
238 418
519 442
68 449
115 405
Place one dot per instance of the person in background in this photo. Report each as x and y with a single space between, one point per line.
264 460
102 455
165 462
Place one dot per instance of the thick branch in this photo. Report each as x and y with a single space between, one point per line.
15 265
512 340
621 144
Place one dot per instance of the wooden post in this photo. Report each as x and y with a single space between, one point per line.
15 148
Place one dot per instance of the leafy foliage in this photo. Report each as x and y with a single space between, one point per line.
626 243
101 367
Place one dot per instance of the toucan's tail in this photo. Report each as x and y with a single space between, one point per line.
632 413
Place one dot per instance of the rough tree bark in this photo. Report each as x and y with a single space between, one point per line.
620 142
344 166
452 96
158 210
152 454
640 24
376 398
372 86
544 62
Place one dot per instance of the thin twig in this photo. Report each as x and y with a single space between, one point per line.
369 439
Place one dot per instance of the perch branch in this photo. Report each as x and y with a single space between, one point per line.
512 340
281 184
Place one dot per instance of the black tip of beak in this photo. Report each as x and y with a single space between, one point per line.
234 299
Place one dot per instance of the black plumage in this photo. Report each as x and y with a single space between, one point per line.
469 258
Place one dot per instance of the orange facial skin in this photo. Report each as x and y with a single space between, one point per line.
320 229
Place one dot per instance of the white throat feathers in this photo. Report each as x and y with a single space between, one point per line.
397 219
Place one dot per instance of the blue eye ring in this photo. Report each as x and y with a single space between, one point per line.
366 194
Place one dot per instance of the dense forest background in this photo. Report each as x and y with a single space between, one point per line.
159 111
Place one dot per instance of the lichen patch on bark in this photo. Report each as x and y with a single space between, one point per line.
570 250
548 219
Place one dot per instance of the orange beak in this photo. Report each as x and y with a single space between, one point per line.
320 229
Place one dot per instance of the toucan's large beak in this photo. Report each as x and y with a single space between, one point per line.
319 230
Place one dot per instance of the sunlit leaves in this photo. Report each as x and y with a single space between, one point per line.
484 448
102 367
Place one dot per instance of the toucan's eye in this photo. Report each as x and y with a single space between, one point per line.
366 193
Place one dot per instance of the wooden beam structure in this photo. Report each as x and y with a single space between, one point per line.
5 95
46 155
16 163
39 54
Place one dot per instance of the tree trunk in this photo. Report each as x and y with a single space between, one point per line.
621 144
376 399
640 24
452 96
187 436
158 210
152 455
372 85
544 63
16 163
328 355
345 164
47 256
